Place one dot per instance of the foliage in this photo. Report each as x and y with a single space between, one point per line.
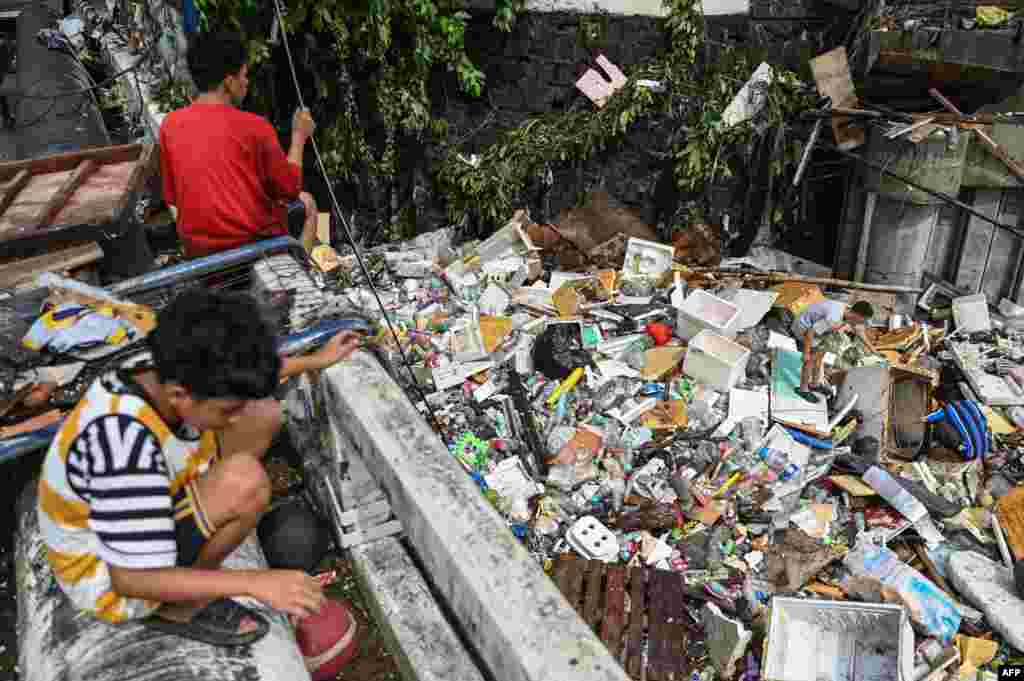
367 69
394 45
490 186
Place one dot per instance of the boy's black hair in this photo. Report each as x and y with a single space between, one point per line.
863 308
216 345
212 57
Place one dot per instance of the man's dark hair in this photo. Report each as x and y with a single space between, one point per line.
217 345
863 308
212 57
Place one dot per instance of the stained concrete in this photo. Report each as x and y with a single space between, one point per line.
518 622
990 587
58 642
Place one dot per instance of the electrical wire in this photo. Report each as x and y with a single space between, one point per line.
347 230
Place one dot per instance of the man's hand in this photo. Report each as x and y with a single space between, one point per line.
290 591
302 124
337 349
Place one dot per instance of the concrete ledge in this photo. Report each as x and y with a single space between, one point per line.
419 635
520 625
57 642
420 638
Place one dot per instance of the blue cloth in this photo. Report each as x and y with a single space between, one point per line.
69 326
190 17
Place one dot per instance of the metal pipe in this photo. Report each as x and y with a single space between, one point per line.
36 440
201 266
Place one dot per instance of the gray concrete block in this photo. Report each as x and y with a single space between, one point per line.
58 642
520 625
422 640
990 587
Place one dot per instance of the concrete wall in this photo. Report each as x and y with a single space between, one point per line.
506 608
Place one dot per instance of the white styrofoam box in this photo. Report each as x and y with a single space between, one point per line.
701 311
827 640
592 540
715 361
970 313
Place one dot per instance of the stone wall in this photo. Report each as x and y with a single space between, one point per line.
532 71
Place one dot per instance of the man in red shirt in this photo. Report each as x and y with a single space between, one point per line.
223 168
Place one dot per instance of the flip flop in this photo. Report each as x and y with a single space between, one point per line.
807 395
216 624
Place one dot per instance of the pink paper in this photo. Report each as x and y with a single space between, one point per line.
596 88
617 77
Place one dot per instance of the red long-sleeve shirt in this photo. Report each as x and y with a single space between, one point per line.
225 172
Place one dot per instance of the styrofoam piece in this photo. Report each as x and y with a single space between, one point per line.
753 306
701 311
715 361
970 313
647 257
836 640
592 540
1010 308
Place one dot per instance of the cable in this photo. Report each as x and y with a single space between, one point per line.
937 194
348 232
74 93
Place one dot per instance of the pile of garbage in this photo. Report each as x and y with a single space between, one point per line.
634 412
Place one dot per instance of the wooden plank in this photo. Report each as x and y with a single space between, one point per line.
573 589
14 273
96 201
71 160
57 200
614 622
13 188
978 236
637 611
592 603
143 169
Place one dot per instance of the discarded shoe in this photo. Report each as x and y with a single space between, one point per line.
807 395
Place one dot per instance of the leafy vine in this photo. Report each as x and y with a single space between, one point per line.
395 46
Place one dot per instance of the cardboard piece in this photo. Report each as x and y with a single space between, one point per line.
567 301
494 331
323 228
1010 511
659 361
974 653
794 296
666 415
852 485
832 76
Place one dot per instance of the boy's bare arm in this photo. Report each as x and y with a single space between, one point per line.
290 591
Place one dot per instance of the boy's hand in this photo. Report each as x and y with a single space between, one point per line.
290 591
337 349
302 123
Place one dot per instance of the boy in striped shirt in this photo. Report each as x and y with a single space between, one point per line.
156 476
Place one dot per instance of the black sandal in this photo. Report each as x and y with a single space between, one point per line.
216 624
807 395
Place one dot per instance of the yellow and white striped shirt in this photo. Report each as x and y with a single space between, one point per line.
106 490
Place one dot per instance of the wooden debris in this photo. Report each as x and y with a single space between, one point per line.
656 602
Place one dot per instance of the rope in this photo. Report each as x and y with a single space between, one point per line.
348 232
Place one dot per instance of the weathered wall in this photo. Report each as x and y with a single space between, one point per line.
533 70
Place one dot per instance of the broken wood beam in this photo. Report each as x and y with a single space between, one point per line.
13 188
15 273
59 198
774 277
994 147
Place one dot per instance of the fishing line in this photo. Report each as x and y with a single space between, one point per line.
345 226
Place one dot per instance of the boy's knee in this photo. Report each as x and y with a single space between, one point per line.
246 480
